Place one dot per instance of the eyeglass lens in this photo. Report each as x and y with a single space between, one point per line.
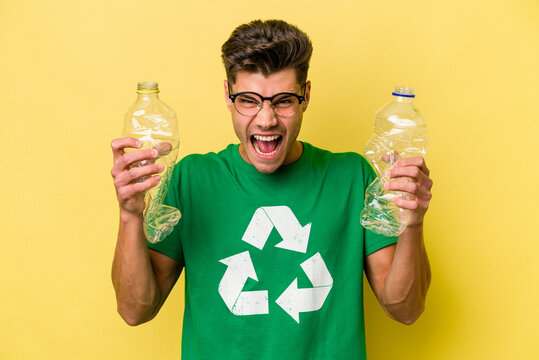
250 104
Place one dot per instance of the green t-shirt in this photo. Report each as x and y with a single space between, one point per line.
273 262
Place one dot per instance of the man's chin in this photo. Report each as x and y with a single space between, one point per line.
266 169
265 165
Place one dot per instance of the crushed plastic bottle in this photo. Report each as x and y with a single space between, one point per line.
399 132
154 123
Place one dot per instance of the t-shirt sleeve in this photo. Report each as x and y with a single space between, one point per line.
373 241
171 244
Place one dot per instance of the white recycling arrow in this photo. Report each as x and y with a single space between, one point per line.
240 268
295 237
294 300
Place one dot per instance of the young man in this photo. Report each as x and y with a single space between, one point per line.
270 236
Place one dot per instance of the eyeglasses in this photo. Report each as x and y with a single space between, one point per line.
249 103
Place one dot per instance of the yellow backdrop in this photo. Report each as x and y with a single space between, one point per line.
68 71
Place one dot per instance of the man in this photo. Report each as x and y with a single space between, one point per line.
270 236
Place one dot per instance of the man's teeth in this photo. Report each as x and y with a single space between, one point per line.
266 138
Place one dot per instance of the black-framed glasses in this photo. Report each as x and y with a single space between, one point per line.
249 103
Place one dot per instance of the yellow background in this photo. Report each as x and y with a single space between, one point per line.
68 71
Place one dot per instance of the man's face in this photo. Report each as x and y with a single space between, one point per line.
268 140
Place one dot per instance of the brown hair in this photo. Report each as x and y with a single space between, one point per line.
267 47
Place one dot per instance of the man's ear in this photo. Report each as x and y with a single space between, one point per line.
307 95
227 99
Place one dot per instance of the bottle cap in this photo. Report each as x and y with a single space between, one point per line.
147 87
403 91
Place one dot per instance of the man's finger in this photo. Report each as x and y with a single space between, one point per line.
164 148
144 171
404 171
132 157
410 173
130 190
420 191
118 146
145 185
418 161
409 187
416 205
136 174
391 157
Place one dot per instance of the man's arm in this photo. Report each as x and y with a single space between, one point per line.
142 278
400 274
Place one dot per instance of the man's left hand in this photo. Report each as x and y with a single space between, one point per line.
411 176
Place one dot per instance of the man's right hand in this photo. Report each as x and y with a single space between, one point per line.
130 193
142 278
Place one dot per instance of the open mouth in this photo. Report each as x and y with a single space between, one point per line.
266 145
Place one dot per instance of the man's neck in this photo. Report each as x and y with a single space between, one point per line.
294 154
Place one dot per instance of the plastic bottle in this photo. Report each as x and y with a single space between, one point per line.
399 132
154 123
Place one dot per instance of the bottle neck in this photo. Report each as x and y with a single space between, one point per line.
403 99
147 96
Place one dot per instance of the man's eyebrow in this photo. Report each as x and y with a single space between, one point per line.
250 94
293 91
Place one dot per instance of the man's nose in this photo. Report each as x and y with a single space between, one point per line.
266 118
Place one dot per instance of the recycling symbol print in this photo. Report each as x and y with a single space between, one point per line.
240 267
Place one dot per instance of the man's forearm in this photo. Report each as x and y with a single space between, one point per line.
406 285
137 293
